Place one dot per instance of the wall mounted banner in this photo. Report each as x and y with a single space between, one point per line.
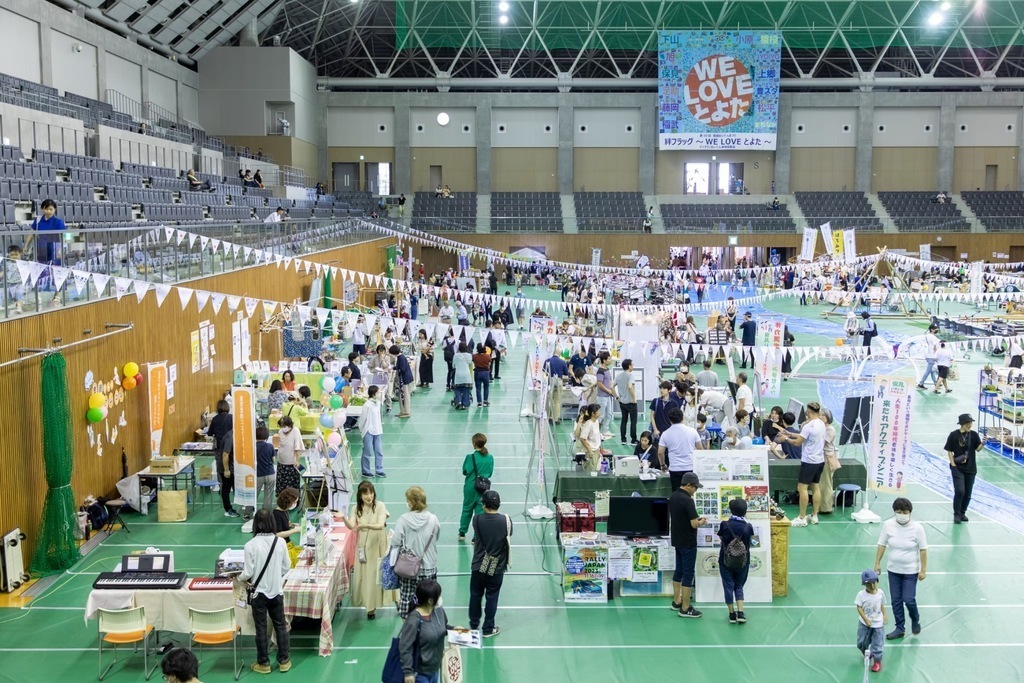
244 427
889 454
718 89
157 390
826 237
850 245
807 245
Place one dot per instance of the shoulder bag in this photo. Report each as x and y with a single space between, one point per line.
393 671
489 564
250 590
480 484
407 566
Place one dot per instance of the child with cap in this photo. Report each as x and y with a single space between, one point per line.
870 604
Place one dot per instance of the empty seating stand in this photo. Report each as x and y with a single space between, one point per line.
535 211
731 217
95 212
997 211
70 161
27 170
31 190
609 210
172 184
7 212
148 171
172 212
230 213
914 211
842 209
458 212
139 195
104 179
361 201
11 153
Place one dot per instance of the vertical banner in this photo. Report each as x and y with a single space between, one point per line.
977 277
925 252
889 454
768 354
807 245
718 89
391 260
595 258
463 261
156 377
826 237
837 244
244 427
850 245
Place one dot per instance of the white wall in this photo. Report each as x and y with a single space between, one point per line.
19 46
30 129
302 81
824 127
606 127
188 104
906 127
124 76
360 127
425 131
986 127
74 63
524 127
125 146
163 92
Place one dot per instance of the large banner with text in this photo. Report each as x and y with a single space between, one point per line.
718 89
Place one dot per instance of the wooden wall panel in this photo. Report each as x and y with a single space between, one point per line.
161 333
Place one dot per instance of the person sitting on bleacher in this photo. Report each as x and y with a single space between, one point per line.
241 175
194 183
247 179
447 192
439 192
941 198
276 216
257 178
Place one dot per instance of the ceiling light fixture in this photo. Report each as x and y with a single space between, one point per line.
945 6
503 6
443 119
503 19
936 18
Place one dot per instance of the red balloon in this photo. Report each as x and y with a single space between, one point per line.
138 380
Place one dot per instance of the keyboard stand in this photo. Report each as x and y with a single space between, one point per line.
114 516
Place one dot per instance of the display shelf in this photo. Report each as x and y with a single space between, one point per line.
1001 411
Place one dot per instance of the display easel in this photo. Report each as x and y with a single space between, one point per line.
855 431
543 444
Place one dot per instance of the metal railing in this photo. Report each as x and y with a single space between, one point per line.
143 252
296 177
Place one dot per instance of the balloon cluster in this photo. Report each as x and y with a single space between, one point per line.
132 376
337 404
97 408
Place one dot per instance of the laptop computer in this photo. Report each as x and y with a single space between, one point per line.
627 466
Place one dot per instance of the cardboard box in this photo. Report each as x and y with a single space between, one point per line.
163 465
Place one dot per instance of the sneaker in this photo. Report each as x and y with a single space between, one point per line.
676 607
367 475
876 667
479 405
732 618
261 668
963 518
814 519
462 537
915 628
633 442
894 634
495 632
624 442
487 404
956 519
741 617
231 513
920 386
691 613
382 475
799 521
607 435
285 665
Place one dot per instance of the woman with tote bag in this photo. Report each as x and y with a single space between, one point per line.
414 547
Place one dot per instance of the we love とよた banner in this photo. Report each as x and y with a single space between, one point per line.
718 89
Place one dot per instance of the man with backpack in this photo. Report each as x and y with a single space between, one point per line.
734 558
490 561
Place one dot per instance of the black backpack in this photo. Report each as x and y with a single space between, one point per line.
98 514
735 555
449 349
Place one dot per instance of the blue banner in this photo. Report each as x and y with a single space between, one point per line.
718 89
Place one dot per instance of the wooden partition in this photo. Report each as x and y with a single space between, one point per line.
160 334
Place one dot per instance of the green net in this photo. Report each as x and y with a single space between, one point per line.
55 549
328 303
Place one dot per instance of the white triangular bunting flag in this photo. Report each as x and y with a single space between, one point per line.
180 234
25 271
214 245
513 338
250 305
121 286
100 281
202 297
60 275
161 293
322 315
400 325
203 241
247 252
216 300
141 287
81 280
168 234
370 321
233 302
184 293
192 239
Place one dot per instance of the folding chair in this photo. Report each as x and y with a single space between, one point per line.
216 628
119 627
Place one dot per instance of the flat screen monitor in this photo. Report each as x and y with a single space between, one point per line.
797 408
637 516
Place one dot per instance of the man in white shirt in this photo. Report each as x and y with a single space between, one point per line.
446 313
744 394
275 217
812 459
713 403
371 428
676 447
931 342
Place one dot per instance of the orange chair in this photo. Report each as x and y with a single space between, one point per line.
215 628
120 627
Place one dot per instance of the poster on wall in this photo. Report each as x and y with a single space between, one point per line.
718 89
889 458
157 389
925 252
194 348
584 569
726 475
243 420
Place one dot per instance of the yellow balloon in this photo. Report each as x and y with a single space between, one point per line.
97 400
131 369
840 341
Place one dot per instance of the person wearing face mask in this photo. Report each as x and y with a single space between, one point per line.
369 519
289 443
287 500
908 564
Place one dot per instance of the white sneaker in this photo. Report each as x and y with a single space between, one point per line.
799 521
814 519
607 435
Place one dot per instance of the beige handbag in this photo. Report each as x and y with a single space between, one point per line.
451 665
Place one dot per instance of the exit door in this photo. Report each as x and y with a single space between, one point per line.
991 177
346 177
435 177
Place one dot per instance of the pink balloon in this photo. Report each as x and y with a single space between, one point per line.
104 410
334 439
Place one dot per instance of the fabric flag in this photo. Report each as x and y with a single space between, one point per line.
161 293
157 390
81 280
233 303
250 306
184 293
202 297
850 245
60 276
889 455
807 245
141 287
121 286
100 280
216 300
826 237
244 427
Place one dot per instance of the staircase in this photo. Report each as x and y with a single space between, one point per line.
483 213
888 225
569 215
796 212
657 225
958 201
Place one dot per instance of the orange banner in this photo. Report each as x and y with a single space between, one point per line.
157 379
244 426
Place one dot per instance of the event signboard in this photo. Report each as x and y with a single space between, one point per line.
718 89
889 455
768 354
584 569
244 427
157 390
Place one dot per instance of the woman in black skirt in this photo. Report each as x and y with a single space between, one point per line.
289 443
426 347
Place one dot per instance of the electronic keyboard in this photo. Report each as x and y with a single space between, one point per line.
215 583
140 580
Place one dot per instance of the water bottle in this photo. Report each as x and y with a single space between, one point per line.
604 465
